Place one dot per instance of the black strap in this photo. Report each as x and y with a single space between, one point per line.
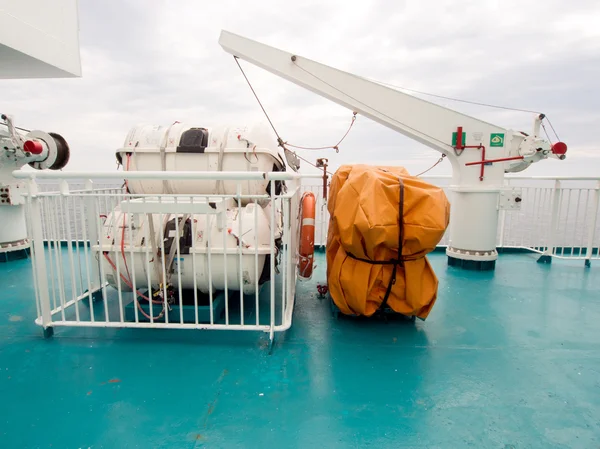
399 261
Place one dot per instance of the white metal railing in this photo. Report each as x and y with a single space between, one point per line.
78 285
558 216
92 269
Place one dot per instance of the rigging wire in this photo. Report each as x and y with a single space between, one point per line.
314 165
279 139
460 100
334 147
258 99
434 165
285 144
367 106
295 60
450 98
17 127
553 130
546 132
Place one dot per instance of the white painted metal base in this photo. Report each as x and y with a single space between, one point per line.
13 230
473 224
472 255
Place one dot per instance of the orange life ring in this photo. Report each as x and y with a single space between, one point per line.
307 235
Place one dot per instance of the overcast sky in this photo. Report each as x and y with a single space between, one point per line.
156 61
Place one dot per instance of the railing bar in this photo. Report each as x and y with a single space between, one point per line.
33 256
59 259
117 257
323 212
593 221
163 262
87 260
194 224
576 221
538 223
536 207
51 249
47 228
208 233
74 209
272 268
585 219
509 238
548 206
151 195
240 245
256 278
285 209
157 325
66 214
224 232
132 277
564 243
542 223
145 222
176 241
556 231
98 224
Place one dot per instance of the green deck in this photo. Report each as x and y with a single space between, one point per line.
507 359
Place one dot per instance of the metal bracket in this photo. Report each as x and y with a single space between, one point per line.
172 205
11 195
510 199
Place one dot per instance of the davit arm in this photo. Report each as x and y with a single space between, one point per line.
480 152
426 122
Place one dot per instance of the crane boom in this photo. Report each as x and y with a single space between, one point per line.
426 122
480 152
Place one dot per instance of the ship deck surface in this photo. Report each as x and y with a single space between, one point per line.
507 359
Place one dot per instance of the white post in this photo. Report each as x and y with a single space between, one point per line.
547 256
37 238
592 228
502 224
91 219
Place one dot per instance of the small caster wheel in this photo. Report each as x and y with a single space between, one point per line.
48 332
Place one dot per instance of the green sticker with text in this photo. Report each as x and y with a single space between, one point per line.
497 140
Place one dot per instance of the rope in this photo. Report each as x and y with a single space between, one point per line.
140 294
334 147
279 139
434 165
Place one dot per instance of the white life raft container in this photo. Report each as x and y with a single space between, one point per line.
214 240
181 147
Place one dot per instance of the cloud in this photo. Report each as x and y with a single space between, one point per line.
153 62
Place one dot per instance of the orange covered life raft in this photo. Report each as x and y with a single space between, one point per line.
383 223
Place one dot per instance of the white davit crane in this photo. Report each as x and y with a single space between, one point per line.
480 152
18 148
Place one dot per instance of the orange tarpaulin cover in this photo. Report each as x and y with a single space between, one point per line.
364 203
